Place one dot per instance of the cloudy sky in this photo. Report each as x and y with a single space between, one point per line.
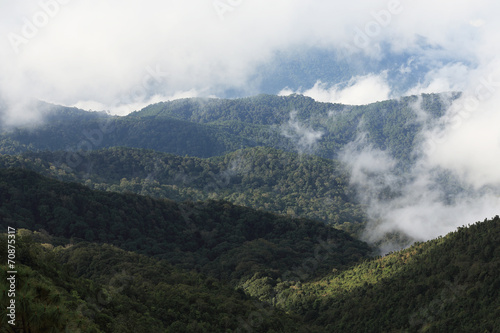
121 55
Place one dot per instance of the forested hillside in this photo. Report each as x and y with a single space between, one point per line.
234 166
391 125
210 215
261 178
450 284
99 288
214 237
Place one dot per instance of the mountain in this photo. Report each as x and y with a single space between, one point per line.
391 125
300 68
208 215
80 132
213 127
216 127
229 244
449 284
305 186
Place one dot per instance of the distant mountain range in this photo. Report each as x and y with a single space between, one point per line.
213 127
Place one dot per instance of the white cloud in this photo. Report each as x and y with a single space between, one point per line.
477 23
414 203
123 108
464 145
451 77
301 135
469 141
73 51
359 90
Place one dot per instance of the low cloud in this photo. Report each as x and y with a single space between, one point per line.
19 113
468 140
455 179
451 77
420 204
67 52
123 108
302 136
357 91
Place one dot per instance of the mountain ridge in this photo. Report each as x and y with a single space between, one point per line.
293 123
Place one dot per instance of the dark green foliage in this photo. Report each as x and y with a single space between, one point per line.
261 178
60 129
45 294
393 125
213 237
202 263
99 288
259 110
448 285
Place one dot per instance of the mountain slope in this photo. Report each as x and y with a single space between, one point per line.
79 133
261 178
450 284
300 68
391 125
100 288
226 241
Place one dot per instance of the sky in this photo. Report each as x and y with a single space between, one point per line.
123 55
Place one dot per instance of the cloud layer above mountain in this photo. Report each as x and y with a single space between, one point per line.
127 53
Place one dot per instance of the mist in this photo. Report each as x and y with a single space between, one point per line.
419 205
303 137
455 179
